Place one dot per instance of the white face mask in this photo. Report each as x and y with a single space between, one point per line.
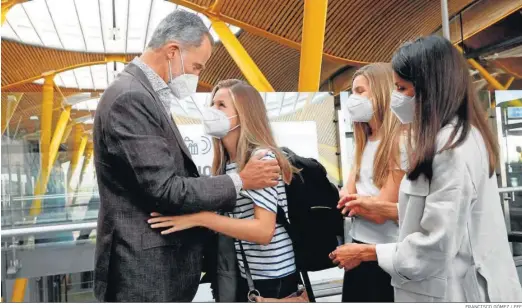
183 85
360 108
215 122
403 107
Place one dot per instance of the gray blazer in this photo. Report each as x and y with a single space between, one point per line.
143 165
453 243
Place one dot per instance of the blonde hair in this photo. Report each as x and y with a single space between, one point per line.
380 80
255 129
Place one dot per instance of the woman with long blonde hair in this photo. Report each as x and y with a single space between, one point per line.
239 124
376 173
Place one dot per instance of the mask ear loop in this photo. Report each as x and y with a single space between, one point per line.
221 163
170 70
182 63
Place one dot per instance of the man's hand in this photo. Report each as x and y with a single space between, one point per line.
259 174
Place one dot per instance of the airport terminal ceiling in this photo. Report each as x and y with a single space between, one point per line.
87 41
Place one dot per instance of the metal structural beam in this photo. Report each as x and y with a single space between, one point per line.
445 19
314 23
54 72
19 287
238 53
67 132
59 130
46 118
9 107
260 32
483 72
509 82
109 58
7 5
496 47
78 147
89 150
215 8
48 165
492 81
486 75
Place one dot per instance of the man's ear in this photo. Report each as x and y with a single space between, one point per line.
172 49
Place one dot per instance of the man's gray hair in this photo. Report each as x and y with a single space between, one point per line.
186 28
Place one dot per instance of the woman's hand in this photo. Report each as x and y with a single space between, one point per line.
366 207
349 256
176 223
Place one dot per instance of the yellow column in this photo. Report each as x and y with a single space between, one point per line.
53 152
314 22
247 66
493 82
46 119
86 161
19 290
67 132
9 107
88 156
7 5
486 75
78 148
4 14
58 135
215 8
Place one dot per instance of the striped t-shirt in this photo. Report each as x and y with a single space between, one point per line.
275 260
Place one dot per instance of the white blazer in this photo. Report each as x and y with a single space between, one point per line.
452 243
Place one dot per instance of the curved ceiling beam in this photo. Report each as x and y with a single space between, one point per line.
211 12
54 72
108 58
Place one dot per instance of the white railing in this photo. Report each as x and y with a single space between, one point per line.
48 229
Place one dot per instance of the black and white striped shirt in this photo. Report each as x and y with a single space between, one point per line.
275 260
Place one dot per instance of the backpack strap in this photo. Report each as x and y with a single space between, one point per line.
252 291
281 219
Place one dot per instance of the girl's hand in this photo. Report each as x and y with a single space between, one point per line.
174 223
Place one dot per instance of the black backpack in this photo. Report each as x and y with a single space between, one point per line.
315 224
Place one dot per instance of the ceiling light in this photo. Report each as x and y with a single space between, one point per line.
114 34
33 118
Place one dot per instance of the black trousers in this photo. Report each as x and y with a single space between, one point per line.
367 283
269 288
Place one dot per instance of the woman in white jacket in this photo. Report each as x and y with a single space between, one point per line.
452 243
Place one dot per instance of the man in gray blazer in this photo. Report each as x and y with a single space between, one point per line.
143 166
